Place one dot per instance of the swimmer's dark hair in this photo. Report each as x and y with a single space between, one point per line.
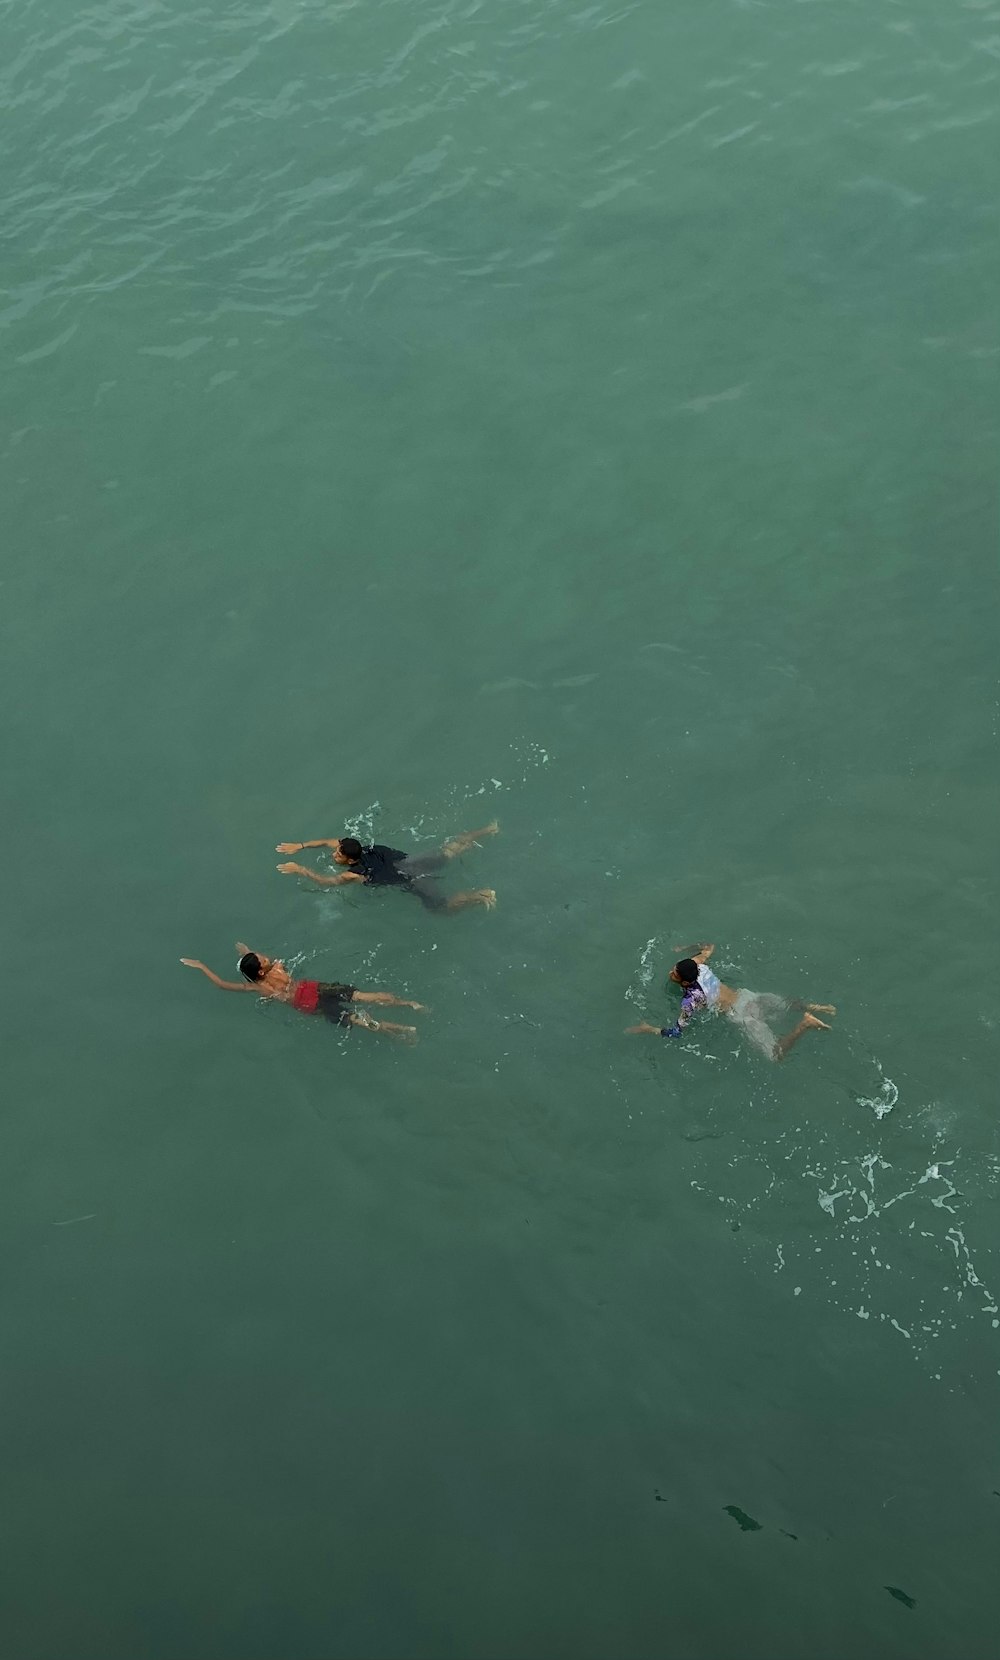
350 847
249 966
687 971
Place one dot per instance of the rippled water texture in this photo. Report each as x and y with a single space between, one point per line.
584 415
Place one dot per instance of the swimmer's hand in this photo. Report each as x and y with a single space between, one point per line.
191 962
636 1031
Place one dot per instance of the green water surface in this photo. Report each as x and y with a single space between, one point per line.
584 415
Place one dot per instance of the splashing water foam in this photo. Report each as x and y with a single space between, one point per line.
881 1103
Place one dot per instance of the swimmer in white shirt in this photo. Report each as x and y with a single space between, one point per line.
750 1010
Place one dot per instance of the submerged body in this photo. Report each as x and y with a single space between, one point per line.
333 999
378 866
752 1011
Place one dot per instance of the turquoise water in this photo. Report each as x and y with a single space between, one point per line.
585 415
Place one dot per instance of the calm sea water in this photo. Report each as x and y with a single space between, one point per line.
583 414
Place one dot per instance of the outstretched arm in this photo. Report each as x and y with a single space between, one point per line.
223 985
314 876
298 847
387 998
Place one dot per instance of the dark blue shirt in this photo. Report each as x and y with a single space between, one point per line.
378 866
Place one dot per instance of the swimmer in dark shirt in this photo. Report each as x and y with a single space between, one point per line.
269 978
390 867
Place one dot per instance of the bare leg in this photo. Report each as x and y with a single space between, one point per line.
388 999
478 896
404 1034
807 1023
468 838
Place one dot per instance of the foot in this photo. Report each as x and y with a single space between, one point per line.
822 1008
391 1028
468 838
810 1020
479 896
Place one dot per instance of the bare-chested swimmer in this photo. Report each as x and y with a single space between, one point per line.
389 867
270 978
750 1010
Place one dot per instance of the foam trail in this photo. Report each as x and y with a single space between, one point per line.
637 991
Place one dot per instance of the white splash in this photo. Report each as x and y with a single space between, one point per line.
636 993
362 825
883 1102
828 1200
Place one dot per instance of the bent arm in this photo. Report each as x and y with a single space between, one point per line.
646 1030
688 1009
692 1003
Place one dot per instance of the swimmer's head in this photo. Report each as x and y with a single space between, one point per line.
348 850
685 973
252 967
